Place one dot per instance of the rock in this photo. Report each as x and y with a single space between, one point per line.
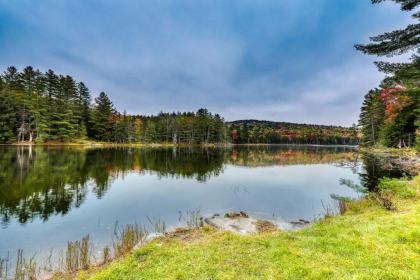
303 221
234 215
237 224
299 222
240 222
292 225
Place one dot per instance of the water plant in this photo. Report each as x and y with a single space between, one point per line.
126 238
78 255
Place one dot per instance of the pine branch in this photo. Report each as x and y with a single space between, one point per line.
406 5
389 68
393 43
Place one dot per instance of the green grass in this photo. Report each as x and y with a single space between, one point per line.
367 242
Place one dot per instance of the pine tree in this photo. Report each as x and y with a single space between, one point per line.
51 92
220 129
399 92
11 79
7 116
203 126
63 123
29 100
84 104
14 87
49 107
396 42
72 116
103 118
372 118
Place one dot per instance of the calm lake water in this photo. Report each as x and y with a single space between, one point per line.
49 196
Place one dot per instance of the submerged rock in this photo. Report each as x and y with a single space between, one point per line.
300 222
234 215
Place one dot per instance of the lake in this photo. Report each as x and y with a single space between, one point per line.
50 195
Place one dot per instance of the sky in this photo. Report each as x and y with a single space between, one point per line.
280 60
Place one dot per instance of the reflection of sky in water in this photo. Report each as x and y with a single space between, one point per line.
287 192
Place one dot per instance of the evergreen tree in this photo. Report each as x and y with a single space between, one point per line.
11 79
51 93
63 121
7 118
372 117
84 107
203 125
124 130
399 93
28 101
49 107
395 42
103 118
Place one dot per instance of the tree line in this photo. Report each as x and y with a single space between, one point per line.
200 127
390 114
254 131
45 107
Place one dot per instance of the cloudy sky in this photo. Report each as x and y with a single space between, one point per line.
284 60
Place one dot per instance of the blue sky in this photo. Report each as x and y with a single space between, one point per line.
284 60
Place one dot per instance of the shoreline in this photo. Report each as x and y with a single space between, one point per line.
405 159
114 144
104 144
187 244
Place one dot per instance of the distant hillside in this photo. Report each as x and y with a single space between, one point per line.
256 131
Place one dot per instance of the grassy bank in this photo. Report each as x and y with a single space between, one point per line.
376 238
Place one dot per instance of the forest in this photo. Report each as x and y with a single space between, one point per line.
253 131
47 107
38 107
390 114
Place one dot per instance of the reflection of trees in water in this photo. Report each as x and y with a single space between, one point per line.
40 182
201 164
374 168
287 155
370 168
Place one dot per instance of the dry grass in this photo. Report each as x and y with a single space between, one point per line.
265 226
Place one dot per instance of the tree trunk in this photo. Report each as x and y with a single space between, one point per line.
174 138
373 132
